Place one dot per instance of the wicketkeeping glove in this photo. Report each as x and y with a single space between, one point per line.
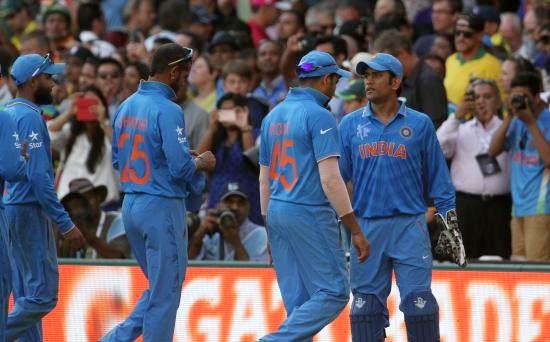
449 244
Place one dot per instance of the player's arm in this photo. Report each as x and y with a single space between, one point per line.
498 142
38 174
447 135
540 141
12 163
265 191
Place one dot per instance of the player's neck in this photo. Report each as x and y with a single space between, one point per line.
386 110
24 94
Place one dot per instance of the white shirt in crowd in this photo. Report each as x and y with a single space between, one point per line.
75 165
462 142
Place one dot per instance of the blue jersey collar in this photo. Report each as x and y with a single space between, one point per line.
154 87
24 102
367 110
301 93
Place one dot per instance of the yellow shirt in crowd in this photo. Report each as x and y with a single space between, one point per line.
459 72
16 39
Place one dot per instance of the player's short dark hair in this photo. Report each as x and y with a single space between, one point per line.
87 13
391 41
110 60
166 54
339 45
529 80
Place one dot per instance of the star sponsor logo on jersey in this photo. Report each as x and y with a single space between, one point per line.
406 132
34 142
420 303
182 139
363 130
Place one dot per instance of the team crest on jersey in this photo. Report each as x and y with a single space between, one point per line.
406 132
363 130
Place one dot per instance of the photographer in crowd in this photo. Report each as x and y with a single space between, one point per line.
525 134
226 233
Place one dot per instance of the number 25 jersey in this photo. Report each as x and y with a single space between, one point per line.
296 135
149 145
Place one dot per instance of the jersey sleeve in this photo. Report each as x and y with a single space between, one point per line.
114 147
324 135
175 145
264 151
510 135
345 162
33 129
440 186
12 164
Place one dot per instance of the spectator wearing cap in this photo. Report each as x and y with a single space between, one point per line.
31 205
75 60
82 136
483 201
230 133
492 38
289 23
201 22
222 49
19 20
272 87
226 233
264 14
57 27
353 95
202 78
91 27
422 87
470 60
103 230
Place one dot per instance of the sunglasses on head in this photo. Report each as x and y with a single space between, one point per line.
188 56
46 63
466 34
310 67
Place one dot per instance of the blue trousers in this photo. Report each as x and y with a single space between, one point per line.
310 266
155 227
399 243
34 271
5 275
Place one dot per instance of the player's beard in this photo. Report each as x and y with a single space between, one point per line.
43 96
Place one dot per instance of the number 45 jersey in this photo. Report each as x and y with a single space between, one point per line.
150 149
296 135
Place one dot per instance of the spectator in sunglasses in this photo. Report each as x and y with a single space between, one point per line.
109 81
470 59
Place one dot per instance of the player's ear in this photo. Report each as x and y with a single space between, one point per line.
395 83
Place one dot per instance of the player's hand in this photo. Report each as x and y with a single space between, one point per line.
293 44
362 246
467 106
206 161
24 153
75 238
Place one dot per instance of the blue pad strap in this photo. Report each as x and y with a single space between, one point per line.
367 318
421 316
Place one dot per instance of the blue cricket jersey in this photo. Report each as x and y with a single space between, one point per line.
12 164
37 188
150 148
391 166
530 180
296 135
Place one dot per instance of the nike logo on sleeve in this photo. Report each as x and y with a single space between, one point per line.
324 131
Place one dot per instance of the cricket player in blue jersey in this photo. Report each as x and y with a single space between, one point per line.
12 168
391 155
299 181
31 204
151 152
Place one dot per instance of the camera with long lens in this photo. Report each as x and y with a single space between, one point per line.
227 219
520 101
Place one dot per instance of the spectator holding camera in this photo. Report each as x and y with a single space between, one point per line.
483 202
82 135
229 134
525 134
226 233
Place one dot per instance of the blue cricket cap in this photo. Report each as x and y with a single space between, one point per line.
318 63
28 66
381 62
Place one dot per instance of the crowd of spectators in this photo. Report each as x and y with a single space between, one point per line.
464 64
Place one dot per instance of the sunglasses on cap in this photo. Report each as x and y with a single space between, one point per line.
466 34
188 56
310 67
46 63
